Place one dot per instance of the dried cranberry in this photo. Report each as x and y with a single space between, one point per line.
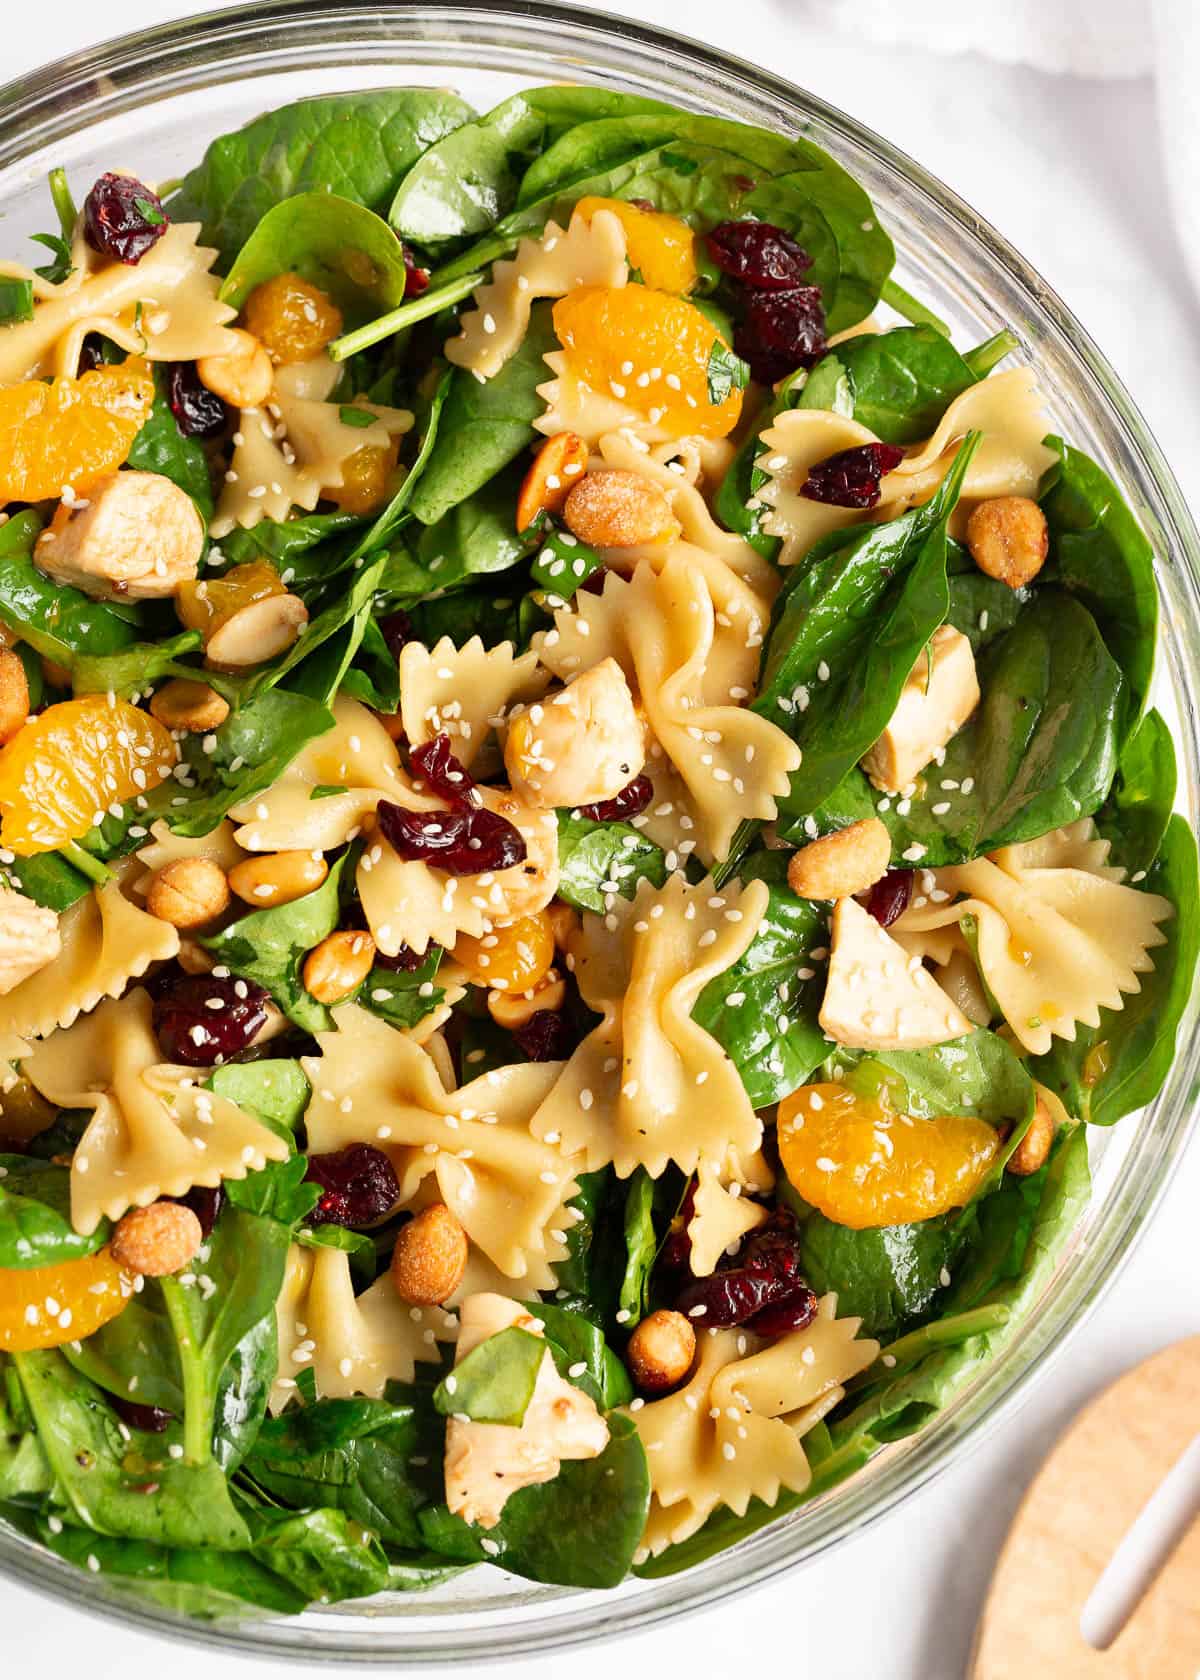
630 802
674 1263
199 412
205 1202
457 842
850 479
888 898
781 331
405 961
546 1036
396 630
416 280
759 255
152 1419
445 776
793 1314
359 1186
200 1020
91 354
765 1273
122 218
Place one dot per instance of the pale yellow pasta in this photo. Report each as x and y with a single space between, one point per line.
12 1050
691 672
572 405
734 1431
465 692
792 445
589 253
165 846
648 1085
721 1217
507 1188
1056 942
154 1131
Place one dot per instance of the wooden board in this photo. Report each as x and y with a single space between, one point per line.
1083 1503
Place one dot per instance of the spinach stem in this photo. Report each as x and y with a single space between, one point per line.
197 1423
64 204
404 315
86 864
959 1327
904 303
983 358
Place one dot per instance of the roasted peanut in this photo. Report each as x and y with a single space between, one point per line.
512 1010
257 632
546 486
244 377
615 508
338 965
1008 539
156 1241
1031 1152
430 1257
193 707
843 863
14 695
277 877
188 893
661 1351
509 959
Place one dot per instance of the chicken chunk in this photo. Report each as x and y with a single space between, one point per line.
29 938
487 1462
136 536
941 693
579 746
877 997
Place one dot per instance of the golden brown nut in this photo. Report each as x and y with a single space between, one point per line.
190 706
277 877
14 695
1031 1152
430 1257
615 508
661 1351
244 377
156 1241
546 486
256 632
188 893
843 863
1008 539
338 965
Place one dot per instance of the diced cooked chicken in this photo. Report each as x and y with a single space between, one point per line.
941 693
488 1462
29 938
578 746
877 997
136 536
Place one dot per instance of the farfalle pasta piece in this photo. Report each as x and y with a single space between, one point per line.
1056 942
690 669
721 1217
648 1085
792 445
353 1344
106 942
164 307
572 405
589 253
463 692
165 846
735 1431
508 1189
154 1131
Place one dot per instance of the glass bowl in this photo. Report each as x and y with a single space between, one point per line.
150 102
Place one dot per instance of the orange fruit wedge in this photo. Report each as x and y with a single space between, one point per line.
659 246
69 434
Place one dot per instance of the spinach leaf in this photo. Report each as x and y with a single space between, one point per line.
336 243
306 550
979 1075
134 669
269 946
595 1251
160 447
982 608
318 1553
35 1215
846 632
359 145
403 997
473 538
563 563
1114 1068
254 746
495 1382
763 1011
582 1355
274 1091
49 880
429 419
598 858
902 381
479 611
889 1276
278 1191
58 621
641 1245
1135 815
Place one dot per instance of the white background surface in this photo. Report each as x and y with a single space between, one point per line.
1069 169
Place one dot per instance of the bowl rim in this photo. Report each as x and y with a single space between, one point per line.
45 103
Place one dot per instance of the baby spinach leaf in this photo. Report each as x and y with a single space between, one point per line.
274 1091
254 746
478 610
160 447
982 608
359 145
49 880
889 1276
575 1342
403 997
312 547
1136 813
598 858
336 243
269 946
979 1075
495 1382
827 387
35 1215
278 1191
134 669
641 1245
318 1553
902 381
595 1250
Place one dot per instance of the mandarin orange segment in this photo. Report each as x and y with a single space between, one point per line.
73 762
45 1306
514 958
205 604
69 434
648 349
291 318
660 247
367 478
863 1165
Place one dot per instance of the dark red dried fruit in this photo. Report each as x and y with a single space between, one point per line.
405 961
201 1021
764 1274
396 630
888 898
673 1267
795 1313
758 255
205 1203
437 766
359 1186
199 412
416 280
458 842
630 802
850 479
546 1036
781 331
91 354
152 1419
122 218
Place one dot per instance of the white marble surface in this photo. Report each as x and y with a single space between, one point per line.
1070 171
